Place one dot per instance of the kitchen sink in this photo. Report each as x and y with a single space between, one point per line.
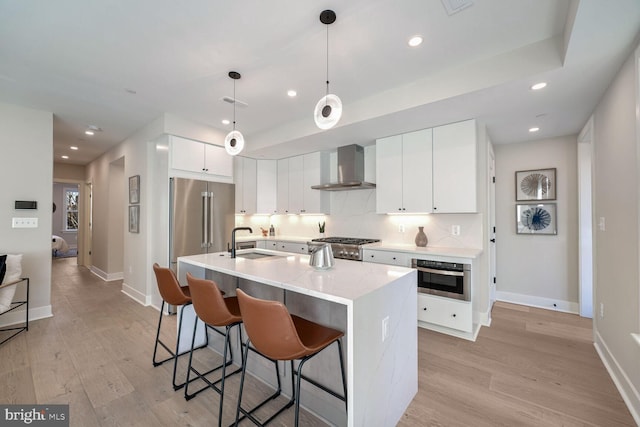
256 255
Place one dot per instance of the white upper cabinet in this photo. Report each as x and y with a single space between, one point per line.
403 173
246 185
431 170
296 184
282 193
454 168
199 158
316 171
266 177
296 175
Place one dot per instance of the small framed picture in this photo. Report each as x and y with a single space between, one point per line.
134 219
536 218
134 189
538 184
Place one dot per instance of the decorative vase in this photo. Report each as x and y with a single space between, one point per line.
421 238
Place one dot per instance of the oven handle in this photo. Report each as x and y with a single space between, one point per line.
443 272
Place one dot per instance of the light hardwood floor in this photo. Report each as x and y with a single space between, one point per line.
530 368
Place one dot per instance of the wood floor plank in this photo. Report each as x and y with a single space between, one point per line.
532 367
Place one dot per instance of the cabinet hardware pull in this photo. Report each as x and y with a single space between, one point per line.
424 308
454 315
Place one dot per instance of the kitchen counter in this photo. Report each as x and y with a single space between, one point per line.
470 253
374 304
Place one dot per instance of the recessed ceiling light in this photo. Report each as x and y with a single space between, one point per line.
534 129
539 86
291 93
415 41
89 132
225 122
65 157
73 147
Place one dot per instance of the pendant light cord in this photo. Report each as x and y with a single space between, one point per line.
326 100
234 104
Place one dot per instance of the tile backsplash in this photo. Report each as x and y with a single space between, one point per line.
353 214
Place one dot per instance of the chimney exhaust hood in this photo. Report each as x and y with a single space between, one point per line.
350 171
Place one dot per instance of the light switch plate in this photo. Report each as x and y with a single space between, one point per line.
24 222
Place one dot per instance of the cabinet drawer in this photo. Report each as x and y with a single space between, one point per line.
445 312
382 257
298 248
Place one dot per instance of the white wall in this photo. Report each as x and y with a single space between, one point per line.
26 169
538 270
616 200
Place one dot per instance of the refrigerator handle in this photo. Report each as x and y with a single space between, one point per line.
211 219
205 220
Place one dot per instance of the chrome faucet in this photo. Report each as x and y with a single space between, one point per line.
233 239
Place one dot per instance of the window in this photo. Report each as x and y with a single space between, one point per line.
71 209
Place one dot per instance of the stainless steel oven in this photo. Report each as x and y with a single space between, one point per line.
446 279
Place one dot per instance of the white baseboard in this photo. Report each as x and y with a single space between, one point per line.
629 393
16 317
539 302
136 295
108 277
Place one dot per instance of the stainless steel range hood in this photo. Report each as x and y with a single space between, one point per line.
350 171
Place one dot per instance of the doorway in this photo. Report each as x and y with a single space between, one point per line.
65 224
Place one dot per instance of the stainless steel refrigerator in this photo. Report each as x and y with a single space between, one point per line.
201 217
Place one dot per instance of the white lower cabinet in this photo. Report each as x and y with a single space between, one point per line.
261 244
276 245
298 248
445 312
384 257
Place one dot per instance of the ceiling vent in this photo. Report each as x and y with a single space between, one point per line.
455 6
231 100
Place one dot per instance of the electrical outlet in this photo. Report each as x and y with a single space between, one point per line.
455 230
601 225
401 228
385 328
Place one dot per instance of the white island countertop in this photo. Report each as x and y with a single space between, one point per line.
344 283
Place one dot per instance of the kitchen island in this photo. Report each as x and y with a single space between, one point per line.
375 306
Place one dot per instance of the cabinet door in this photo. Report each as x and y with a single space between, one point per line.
296 184
245 180
417 182
187 155
282 199
389 174
238 180
454 168
316 171
266 186
217 161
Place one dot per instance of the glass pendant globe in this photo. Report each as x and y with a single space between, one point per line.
234 142
328 111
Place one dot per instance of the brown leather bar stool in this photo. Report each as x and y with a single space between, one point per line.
214 311
174 294
279 335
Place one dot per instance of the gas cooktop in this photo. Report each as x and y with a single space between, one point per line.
345 247
346 240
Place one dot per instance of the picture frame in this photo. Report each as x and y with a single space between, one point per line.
134 189
536 218
134 219
536 184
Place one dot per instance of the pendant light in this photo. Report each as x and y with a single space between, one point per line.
329 109
234 141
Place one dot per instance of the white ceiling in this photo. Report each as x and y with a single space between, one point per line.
78 59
